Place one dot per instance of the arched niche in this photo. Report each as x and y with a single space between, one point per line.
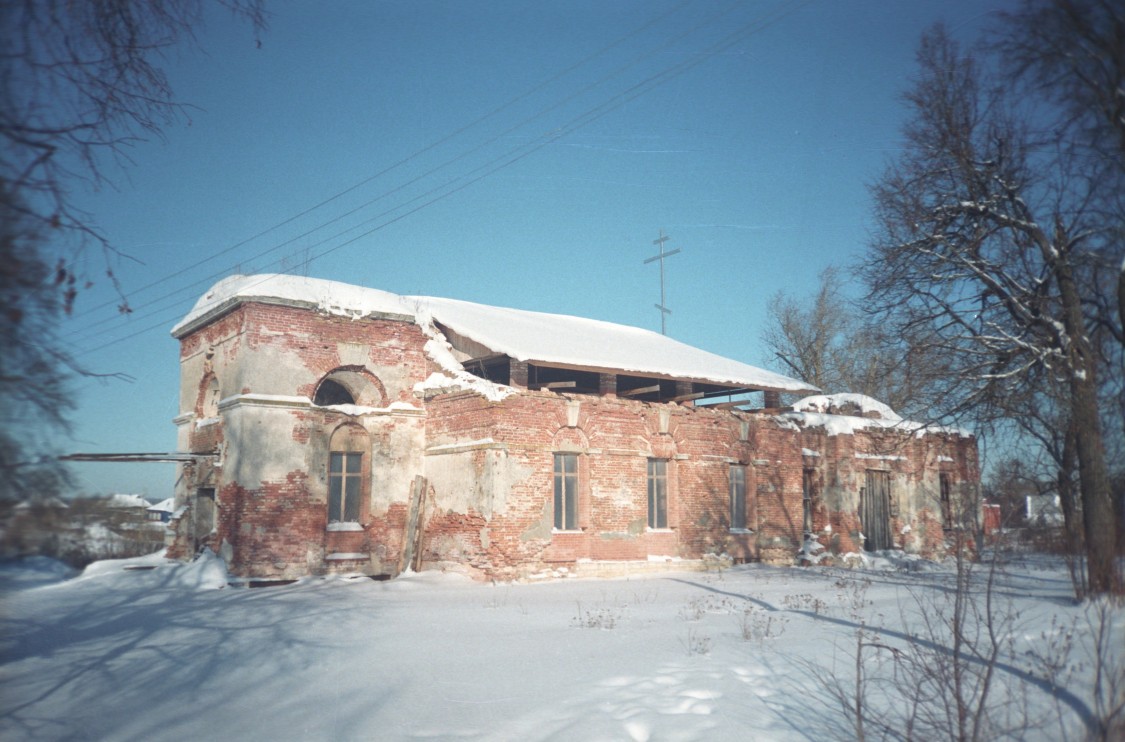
350 385
209 397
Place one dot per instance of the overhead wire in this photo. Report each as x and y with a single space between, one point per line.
461 182
170 298
404 160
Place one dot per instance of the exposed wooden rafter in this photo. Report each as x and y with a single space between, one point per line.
638 391
559 385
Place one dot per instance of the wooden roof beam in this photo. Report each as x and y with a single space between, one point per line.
726 405
638 391
559 385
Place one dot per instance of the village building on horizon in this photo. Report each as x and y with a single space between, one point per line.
335 428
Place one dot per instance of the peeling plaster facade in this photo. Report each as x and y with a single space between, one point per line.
252 370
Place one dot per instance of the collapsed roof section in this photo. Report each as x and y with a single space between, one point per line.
549 351
845 414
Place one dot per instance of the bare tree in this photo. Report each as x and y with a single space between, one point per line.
79 83
827 341
32 369
987 247
1072 52
812 341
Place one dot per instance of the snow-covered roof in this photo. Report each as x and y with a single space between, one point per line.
577 341
523 335
164 506
128 501
331 297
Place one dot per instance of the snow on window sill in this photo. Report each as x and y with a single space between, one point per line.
659 530
345 557
345 527
741 530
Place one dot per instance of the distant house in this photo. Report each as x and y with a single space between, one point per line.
162 511
126 511
127 502
1044 510
328 427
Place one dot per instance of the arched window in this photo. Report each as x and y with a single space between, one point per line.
348 467
332 392
566 492
571 479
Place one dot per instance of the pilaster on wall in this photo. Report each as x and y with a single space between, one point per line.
772 400
683 389
517 373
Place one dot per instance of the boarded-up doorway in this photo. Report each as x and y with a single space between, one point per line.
875 511
203 516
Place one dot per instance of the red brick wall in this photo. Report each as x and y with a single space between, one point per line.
617 437
269 527
278 528
701 444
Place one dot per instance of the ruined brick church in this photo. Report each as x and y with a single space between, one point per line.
334 428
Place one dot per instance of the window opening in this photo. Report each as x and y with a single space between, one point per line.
345 473
808 492
566 491
332 392
946 500
738 497
657 493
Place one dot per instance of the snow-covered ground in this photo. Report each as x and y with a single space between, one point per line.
154 650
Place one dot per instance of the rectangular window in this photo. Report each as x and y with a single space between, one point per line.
946 500
566 491
738 498
808 492
657 493
345 473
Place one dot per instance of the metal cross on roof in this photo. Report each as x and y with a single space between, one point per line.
664 311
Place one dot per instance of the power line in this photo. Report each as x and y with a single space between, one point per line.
418 153
169 299
509 158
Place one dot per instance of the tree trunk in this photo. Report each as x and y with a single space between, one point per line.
1121 292
1097 505
1068 500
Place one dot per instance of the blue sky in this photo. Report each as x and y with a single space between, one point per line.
510 153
